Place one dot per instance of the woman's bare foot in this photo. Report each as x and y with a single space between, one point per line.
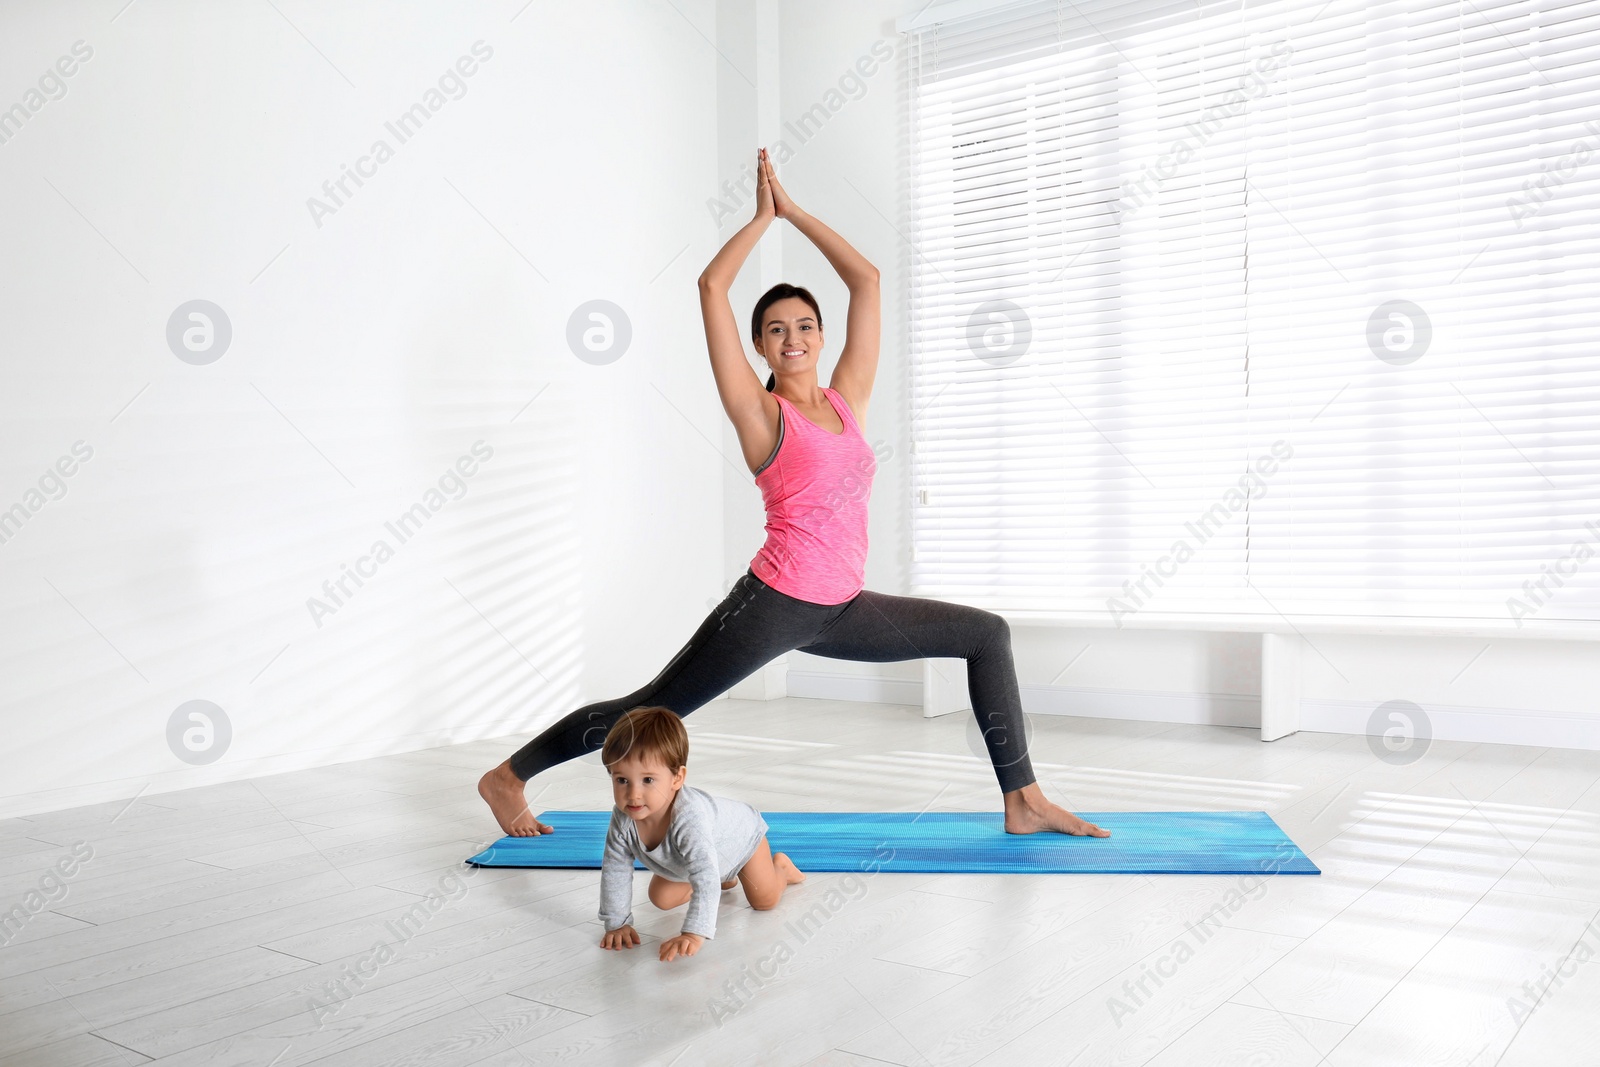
504 792
792 875
1028 812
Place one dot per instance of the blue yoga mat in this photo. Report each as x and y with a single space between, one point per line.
1141 842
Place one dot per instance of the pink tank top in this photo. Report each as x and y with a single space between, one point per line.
815 490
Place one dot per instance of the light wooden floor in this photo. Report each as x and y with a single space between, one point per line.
207 924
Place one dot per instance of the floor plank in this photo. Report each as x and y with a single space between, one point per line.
1458 914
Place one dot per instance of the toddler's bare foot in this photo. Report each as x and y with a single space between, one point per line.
503 791
1028 812
792 875
730 883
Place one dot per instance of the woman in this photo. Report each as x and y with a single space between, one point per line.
803 589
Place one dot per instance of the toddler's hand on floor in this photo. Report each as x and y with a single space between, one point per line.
621 937
682 945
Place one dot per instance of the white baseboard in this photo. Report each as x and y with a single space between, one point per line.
1501 726
820 685
1196 709
1496 726
226 770
1205 709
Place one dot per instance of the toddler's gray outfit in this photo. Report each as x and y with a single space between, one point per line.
708 840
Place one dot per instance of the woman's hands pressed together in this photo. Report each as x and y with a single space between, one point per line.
765 206
771 200
782 206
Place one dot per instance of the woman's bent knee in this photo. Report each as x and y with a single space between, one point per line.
993 626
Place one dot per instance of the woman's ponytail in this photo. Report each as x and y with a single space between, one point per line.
772 379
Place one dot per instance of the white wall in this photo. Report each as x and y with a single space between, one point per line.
851 174
368 354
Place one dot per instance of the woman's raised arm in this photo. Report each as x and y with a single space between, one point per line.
853 375
743 397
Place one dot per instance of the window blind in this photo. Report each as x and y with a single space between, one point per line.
1282 310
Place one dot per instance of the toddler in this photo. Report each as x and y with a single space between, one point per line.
693 841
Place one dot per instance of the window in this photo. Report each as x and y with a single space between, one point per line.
1292 309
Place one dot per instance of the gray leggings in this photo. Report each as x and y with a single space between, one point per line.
755 623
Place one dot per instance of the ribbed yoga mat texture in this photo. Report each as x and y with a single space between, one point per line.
1141 842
